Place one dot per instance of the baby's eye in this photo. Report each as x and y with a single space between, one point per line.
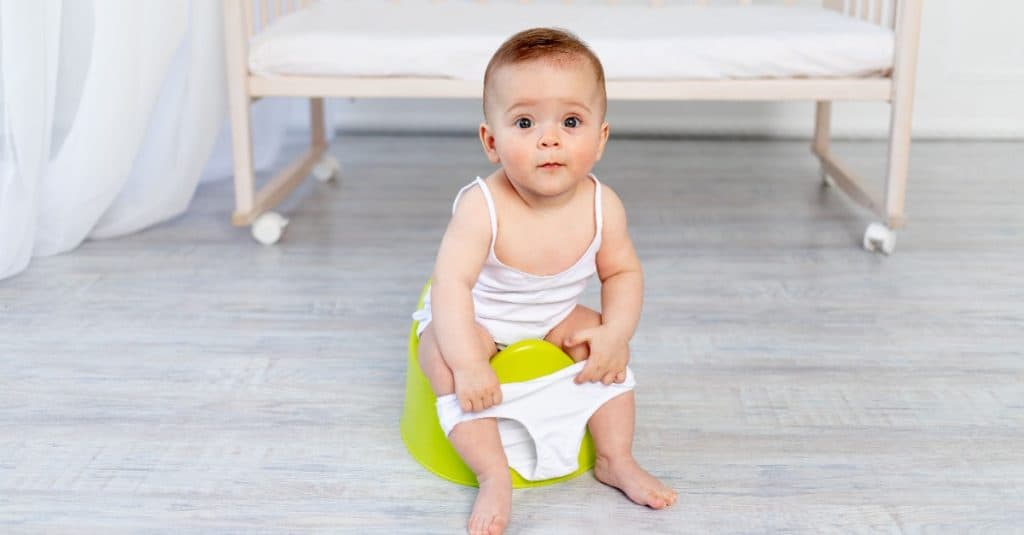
571 122
523 122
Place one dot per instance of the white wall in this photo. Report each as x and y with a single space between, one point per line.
970 84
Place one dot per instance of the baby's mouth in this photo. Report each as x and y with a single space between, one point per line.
550 165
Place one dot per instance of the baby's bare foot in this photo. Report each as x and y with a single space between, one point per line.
635 482
493 506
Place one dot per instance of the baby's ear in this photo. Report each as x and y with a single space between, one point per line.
487 140
605 130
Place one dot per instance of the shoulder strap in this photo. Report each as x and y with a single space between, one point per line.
490 205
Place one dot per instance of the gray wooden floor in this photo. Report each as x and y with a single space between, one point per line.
186 378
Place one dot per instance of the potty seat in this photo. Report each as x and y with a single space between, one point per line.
421 430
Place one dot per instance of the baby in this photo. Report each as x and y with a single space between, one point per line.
517 254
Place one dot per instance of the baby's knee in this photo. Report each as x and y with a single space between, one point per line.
432 364
487 345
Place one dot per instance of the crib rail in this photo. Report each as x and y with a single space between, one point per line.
261 13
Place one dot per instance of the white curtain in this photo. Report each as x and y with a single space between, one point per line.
111 110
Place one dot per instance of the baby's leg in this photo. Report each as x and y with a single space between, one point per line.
477 441
433 364
612 427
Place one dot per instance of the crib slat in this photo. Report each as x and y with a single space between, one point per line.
247 21
834 5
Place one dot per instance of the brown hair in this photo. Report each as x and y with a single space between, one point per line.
543 43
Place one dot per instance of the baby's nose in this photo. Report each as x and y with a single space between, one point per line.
549 139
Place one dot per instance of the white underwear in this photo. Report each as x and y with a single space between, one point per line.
541 421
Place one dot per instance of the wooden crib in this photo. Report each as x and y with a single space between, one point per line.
251 26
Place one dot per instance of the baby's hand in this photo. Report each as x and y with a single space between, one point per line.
476 387
608 358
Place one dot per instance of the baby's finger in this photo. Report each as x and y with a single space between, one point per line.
591 372
578 338
608 378
620 377
496 397
465 405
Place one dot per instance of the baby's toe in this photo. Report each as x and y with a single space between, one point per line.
655 500
496 526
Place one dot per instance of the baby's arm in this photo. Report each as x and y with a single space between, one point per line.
622 288
461 256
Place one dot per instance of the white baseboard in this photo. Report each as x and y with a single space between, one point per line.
851 120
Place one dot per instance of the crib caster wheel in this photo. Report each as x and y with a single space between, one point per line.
268 227
327 168
826 181
878 237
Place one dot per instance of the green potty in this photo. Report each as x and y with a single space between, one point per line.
421 430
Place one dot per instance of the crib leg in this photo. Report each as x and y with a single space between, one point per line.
327 167
822 135
252 206
880 236
898 164
238 109
903 77
241 143
316 122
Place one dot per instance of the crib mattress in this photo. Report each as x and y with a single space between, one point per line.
455 39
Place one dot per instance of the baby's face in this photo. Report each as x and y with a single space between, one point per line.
545 124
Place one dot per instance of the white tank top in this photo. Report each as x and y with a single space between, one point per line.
513 305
